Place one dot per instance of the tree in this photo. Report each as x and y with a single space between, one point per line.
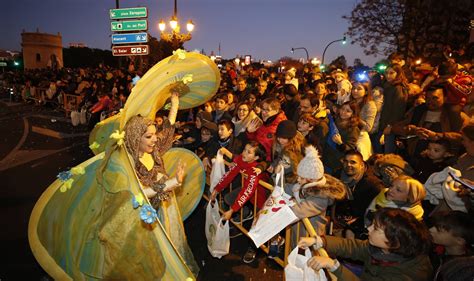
159 49
289 62
358 63
87 57
340 62
415 28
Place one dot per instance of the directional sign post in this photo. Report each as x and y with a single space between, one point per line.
127 38
131 50
129 25
128 13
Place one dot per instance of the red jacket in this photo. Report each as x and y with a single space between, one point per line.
265 134
250 183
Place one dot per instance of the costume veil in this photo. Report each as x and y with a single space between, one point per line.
94 221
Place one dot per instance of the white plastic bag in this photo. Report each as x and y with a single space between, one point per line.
75 118
274 216
364 145
103 115
217 172
83 116
298 270
217 233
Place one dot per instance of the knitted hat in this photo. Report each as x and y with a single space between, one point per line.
286 129
211 126
311 167
391 160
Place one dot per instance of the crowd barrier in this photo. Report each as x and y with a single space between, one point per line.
288 230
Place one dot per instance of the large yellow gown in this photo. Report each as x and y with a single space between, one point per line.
87 225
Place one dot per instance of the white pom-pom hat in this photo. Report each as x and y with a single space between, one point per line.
311 167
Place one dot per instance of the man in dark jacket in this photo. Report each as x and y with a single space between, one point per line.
362 186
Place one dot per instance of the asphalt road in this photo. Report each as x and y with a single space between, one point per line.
37 143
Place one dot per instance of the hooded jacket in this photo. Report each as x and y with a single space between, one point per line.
250 183
266 133
313 200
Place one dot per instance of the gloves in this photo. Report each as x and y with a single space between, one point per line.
306 242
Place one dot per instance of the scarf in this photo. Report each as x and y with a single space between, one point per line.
241 125
378 257
381 201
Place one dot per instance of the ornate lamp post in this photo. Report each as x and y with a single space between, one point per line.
175 37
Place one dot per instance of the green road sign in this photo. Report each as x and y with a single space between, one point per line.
128 13
129 25
2 63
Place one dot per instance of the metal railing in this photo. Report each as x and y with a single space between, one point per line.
288 235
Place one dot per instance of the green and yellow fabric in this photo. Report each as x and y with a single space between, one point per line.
152 92
94 222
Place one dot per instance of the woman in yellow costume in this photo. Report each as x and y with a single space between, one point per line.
146 147
96 221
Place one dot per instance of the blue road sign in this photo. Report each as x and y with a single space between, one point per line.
126 38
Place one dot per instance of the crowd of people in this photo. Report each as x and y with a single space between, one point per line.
402 139
394 152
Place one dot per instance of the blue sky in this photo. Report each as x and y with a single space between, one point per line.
265 29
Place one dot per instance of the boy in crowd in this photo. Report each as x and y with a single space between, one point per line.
432 160
236 199
221 104
453 235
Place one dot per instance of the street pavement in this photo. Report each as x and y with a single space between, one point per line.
36 143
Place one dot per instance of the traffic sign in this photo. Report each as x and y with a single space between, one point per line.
128 13
2 63
127 38
129 25
132 50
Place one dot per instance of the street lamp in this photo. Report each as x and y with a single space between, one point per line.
175 37
338 40
301 48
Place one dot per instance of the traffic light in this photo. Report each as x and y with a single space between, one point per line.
382 67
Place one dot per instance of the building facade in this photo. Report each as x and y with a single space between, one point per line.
42 50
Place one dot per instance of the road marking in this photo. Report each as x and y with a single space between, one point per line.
26 127
24 156
56 134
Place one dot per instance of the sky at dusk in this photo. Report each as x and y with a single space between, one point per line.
264 29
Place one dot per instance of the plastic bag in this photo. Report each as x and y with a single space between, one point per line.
274 216
364 145
75 118
217 233
83 116
217 172
298 270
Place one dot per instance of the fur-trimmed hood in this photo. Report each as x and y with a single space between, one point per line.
333 189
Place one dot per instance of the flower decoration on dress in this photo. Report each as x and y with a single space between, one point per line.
137 200
188 78
66 185
148 214
118 136
94 145
181 53
64 176
78 170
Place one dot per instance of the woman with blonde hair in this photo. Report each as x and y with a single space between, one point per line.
405 193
